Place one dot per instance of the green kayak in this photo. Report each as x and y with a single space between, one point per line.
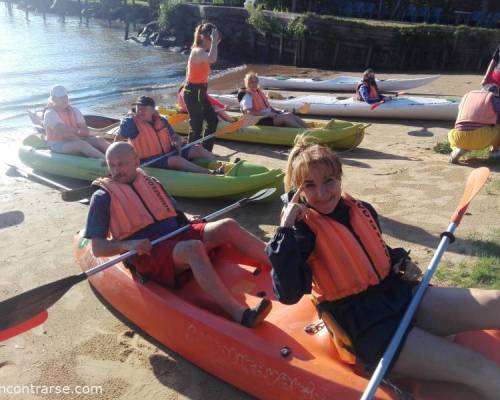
338 134
240 179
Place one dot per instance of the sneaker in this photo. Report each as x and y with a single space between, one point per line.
218 171
254 316
455 155
494 155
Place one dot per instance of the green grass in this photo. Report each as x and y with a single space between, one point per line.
482 271
493 187
442 148
477 153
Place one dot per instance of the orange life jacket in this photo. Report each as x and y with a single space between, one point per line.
197 73
373 93
259 100
135 206
152 140
341 265
68 117
477 107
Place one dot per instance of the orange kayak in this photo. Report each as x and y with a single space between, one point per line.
278 359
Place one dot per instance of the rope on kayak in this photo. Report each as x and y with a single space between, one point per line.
400 393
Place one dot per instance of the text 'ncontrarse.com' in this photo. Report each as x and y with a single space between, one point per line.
49 389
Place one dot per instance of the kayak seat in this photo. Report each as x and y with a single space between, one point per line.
340 339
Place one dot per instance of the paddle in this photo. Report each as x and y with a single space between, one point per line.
379 103
86 191
23 311
38 122
475 182
28 173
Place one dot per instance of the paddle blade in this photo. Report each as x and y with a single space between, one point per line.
79 193
376 105
243 122
176 119
24 326
475 182
25 306
303 109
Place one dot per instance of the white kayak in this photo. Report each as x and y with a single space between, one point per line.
341 83
402 107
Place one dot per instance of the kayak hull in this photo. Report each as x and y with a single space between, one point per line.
278 359
342 83
337 134
241 178
402 107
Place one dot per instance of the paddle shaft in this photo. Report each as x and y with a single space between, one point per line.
131 253
173 152
385 361
227 129
41 178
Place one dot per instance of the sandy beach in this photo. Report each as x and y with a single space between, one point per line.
413 188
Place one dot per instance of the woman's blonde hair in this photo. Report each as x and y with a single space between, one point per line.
306 153
249 75
202 30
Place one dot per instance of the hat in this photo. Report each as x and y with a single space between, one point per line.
144 101
58 91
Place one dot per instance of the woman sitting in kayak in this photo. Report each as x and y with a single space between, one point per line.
330 244
253 101
65 128
367 89
217 106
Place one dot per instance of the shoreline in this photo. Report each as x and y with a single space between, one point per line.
413 189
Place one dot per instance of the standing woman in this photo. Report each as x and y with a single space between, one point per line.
203 53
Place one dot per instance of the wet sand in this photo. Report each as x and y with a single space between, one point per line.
413 188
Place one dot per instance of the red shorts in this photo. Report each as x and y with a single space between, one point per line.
159 266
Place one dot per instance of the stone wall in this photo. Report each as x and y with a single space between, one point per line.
332 44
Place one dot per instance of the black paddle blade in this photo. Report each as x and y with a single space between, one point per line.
27 305
79 193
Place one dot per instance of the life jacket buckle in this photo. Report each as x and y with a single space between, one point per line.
315 327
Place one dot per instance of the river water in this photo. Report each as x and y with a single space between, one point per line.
102 72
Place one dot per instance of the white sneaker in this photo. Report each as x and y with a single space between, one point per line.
455 155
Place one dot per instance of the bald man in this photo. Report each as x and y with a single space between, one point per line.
131 209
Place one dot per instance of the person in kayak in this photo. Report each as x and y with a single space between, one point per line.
151 135
254 101
492 74
330 244
218 107
367 89
65 128
203 53
130 209
477 125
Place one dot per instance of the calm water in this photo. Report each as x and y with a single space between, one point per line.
93 61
